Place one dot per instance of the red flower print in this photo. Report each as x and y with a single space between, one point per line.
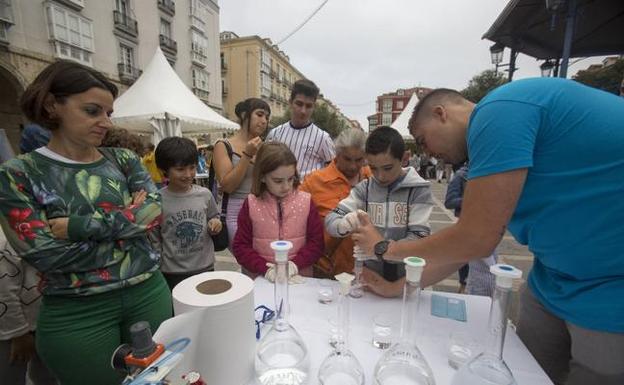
128 214
20 187
106 206
154 223
23 227
104 274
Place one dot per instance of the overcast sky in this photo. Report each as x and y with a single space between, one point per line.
355 50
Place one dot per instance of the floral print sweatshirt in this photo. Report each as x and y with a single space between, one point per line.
107 246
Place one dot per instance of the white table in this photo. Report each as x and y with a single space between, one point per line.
310 319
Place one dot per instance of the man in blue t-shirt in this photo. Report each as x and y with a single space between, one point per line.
547 161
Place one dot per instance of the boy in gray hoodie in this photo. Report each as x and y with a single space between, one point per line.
397 200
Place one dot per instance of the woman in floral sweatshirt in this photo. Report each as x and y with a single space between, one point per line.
81 216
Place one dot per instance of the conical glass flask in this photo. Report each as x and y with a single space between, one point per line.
281 355
403 363
341 367
488 368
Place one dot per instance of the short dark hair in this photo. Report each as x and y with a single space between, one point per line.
270 157
61 79
304 87
385 139
435 97
244 109
175 151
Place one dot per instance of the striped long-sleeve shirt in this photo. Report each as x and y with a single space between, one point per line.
312 146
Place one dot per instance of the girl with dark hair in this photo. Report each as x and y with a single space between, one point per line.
233 158
81 216
274 210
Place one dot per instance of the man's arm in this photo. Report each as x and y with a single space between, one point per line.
488 204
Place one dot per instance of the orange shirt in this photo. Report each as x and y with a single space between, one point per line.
328 186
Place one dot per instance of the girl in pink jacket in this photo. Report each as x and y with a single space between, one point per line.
274 210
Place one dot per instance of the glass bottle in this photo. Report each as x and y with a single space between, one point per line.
281 355
341 367
357 288
489 368
403 363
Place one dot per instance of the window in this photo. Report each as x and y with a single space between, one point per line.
6 19
401 92
386 119
199 13
199 43
200 79
165 28
71 33
265 84
122 6
399 105
126 58
387 105
5 11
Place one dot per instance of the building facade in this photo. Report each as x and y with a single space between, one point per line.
390 105
116 37
255 67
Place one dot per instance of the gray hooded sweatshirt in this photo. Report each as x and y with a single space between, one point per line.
399 211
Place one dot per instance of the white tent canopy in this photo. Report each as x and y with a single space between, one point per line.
159 103
400 123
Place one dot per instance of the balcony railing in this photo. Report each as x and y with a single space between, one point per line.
168 44
128 73
126 23
198 57
167 6
224 66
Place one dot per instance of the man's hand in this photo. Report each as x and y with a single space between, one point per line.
378 285
22 348
366 235
214 226
59 227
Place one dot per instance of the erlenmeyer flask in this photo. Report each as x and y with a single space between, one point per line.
489 368
403 363
281 355
341 367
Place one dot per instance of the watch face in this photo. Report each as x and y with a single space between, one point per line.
381 247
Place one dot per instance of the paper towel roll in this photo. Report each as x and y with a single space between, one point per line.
224 345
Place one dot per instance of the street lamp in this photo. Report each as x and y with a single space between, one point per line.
546 68
496 52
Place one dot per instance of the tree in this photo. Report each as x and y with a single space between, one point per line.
322 117
481 84
606 78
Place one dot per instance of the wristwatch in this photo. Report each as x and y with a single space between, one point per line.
380 249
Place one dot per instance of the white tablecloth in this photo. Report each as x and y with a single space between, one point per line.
310 319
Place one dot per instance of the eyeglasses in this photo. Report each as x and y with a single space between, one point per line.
265 316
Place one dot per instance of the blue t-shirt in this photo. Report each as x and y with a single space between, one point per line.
570 213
